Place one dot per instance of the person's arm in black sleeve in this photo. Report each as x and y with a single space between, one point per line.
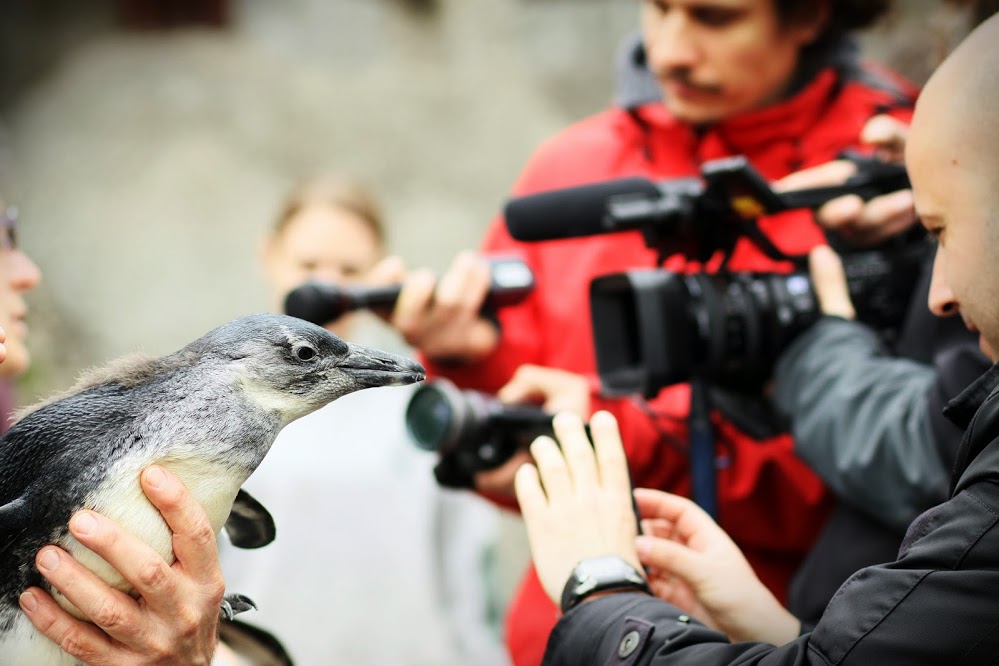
933 605
862 420
636 629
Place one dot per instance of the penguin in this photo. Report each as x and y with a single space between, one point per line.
208 412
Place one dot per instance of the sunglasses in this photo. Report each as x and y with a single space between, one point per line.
8 229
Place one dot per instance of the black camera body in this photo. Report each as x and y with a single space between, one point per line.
471 431
653 328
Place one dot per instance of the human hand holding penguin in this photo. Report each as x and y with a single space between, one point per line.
175 618
206 415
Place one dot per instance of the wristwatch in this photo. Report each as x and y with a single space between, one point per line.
596 574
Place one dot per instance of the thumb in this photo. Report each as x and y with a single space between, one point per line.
528 382
667 555
830 173
829 281
887 134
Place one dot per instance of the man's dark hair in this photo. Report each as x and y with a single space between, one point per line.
844 15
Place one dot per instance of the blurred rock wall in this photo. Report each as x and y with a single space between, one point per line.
148 164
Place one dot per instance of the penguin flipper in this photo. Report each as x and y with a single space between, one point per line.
256 645
234 604
14 516
249 525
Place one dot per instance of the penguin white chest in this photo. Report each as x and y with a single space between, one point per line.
121 499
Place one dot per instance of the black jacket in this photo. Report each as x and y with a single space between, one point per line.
938 603
868 419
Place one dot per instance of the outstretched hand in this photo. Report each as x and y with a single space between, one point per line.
576 501
577 504
175 618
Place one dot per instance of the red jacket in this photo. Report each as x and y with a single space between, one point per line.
769 501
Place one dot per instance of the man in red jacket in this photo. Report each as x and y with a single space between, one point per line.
778 81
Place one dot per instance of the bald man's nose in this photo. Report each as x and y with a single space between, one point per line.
941 299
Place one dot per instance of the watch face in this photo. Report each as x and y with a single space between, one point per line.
600 573
606 568
609 566
586 585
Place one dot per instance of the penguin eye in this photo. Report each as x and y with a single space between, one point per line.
304 353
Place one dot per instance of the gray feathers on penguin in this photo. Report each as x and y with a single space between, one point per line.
208 412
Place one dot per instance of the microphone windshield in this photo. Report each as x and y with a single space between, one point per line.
317 302
570 212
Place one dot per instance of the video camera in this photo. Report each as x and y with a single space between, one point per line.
470 430
653 328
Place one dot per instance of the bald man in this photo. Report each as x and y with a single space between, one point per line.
937 603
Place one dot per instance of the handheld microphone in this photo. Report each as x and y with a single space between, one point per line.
323 302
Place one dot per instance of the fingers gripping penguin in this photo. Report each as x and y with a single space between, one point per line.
208 412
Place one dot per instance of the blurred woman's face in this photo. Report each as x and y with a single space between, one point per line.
18 274
320 243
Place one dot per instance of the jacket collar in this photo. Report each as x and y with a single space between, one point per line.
977 411
634 84
962 409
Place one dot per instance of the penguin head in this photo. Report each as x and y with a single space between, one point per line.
294 367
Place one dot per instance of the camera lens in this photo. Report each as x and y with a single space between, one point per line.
430 417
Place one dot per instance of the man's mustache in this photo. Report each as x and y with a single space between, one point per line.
683 76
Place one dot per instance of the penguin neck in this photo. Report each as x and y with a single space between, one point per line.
217 424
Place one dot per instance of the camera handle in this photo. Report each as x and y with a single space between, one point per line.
703 474
736 191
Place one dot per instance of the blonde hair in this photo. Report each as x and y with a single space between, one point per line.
337 192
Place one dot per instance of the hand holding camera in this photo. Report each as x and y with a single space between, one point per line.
861 223
483 439
443 318
452 318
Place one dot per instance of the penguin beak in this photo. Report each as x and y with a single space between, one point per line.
372 367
